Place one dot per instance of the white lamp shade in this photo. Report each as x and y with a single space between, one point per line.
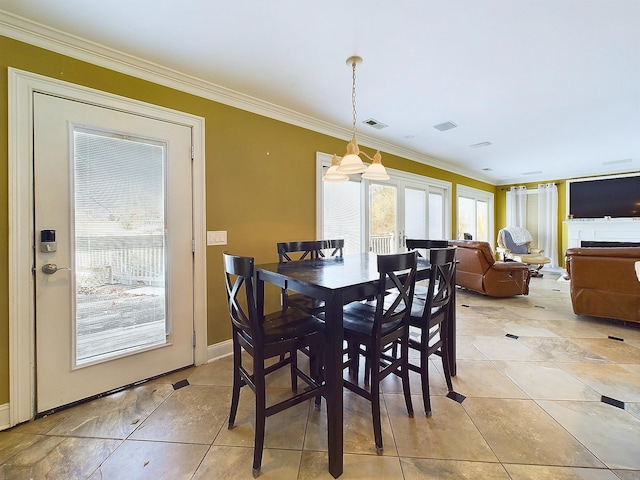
332 176
351 163
376 171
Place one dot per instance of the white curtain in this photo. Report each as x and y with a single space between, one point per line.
548 221
517 207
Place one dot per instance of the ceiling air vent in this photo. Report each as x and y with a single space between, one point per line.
372 122
480 145
443 127
616 162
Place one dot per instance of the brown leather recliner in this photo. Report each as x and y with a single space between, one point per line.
604 282
478 270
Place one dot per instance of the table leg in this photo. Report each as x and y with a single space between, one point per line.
334 382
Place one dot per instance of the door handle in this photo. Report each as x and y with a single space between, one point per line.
51 268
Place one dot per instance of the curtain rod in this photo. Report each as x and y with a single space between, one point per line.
509 188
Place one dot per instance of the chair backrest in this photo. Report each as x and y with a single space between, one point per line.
400 269
441 281
309 250
474 252
506 240
241 294
415 244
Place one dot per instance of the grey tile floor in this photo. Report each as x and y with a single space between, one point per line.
533 410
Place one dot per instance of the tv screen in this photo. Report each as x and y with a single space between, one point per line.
606 197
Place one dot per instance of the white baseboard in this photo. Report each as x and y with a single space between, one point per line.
4 417
219 350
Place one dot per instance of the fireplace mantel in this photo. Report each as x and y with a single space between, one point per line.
602 230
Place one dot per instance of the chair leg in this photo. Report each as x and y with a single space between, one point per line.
315 368
424 377
294 368
445 356
237 383
375 411
260 420
353 355
405 377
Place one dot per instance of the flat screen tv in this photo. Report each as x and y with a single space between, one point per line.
605 197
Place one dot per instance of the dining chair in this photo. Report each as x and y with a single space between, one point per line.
370 328
429 320
264 337
306 250
422 245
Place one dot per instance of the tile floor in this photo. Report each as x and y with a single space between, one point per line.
533 410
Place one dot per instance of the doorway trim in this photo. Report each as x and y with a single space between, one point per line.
22 84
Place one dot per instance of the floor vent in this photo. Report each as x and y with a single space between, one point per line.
612 402
180 384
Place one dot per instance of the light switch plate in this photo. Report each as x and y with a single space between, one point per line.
217 237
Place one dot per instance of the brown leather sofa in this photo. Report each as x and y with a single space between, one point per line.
604 282
479 271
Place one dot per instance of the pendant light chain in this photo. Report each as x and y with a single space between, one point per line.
353 98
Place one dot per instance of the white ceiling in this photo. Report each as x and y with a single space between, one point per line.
554 85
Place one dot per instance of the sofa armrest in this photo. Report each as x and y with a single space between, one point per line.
506 266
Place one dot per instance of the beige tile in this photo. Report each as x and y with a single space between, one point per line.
577 327
43 424
285 429
466 350
561 350
543 380
58 458
419 469
633 409
609 432
173 377
504 348
448 434
113 416
193 414
218 373
315 465
437 384
519 431
628 474
483 379
12 442
357 427
612 350
231 463
607 379
537 472
136 460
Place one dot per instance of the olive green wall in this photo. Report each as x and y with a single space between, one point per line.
260 175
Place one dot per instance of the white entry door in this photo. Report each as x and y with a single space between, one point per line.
113 249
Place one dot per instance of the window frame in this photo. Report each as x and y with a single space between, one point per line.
464 191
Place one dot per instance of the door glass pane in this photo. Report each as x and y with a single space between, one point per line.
341 214
119 245
466 217
482 221
436 217
415 213
382 219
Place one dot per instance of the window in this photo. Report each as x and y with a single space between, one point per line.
379 216
475 217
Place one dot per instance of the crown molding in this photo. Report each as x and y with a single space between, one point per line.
39 35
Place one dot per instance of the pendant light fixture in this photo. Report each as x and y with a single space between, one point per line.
351 162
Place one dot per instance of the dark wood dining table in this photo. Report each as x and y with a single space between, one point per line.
337 281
